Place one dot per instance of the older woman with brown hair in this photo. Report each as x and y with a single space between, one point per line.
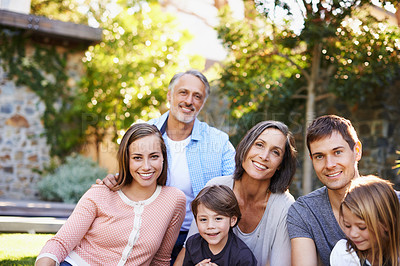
265 166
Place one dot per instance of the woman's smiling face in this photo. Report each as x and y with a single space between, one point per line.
145 161
265 155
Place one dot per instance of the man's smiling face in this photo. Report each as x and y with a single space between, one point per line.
334 162
187 98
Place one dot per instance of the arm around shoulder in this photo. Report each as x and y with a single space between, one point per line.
110 181
180 258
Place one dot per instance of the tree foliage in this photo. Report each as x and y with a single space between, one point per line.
281 71
64 10
127 74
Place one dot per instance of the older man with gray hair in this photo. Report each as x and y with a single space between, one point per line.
196 151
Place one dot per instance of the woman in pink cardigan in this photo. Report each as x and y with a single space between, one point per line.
136 223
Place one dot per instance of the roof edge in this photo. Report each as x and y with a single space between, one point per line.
51 28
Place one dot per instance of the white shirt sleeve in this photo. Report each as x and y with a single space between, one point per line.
341 256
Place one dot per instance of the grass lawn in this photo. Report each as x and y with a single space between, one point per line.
21 249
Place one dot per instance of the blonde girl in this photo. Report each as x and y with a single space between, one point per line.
369 216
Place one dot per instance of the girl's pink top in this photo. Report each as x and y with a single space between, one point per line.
107 228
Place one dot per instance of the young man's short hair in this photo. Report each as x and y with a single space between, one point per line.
324 126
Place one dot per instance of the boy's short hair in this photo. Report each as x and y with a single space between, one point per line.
220 199
324 126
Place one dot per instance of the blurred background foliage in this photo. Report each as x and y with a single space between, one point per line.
283 60
322 50
127 74
70 180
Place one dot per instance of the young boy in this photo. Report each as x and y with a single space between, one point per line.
216 212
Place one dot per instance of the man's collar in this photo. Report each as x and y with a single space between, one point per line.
196 135
162 125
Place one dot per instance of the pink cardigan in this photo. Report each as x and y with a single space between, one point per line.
106 228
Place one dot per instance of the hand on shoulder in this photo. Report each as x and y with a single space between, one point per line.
110 181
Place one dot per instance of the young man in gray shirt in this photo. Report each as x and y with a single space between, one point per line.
313 220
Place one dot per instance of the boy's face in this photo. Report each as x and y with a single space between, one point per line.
214 228
334 162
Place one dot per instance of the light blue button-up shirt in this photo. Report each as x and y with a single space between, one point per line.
209 153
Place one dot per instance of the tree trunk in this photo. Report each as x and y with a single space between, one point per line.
309 116
98 143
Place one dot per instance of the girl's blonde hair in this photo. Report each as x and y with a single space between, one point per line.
374 201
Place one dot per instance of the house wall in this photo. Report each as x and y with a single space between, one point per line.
378 126
23 147
106 155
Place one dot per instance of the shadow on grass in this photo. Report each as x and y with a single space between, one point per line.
28 261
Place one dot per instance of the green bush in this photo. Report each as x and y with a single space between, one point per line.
71 180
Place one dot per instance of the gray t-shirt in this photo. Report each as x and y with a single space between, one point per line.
311 216
270 241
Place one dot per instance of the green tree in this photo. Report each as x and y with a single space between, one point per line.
278 70
127 74
64 10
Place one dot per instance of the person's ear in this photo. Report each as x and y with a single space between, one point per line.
169 95
358 150
233 221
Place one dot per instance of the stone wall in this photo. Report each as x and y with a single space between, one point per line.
23 147
378 124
